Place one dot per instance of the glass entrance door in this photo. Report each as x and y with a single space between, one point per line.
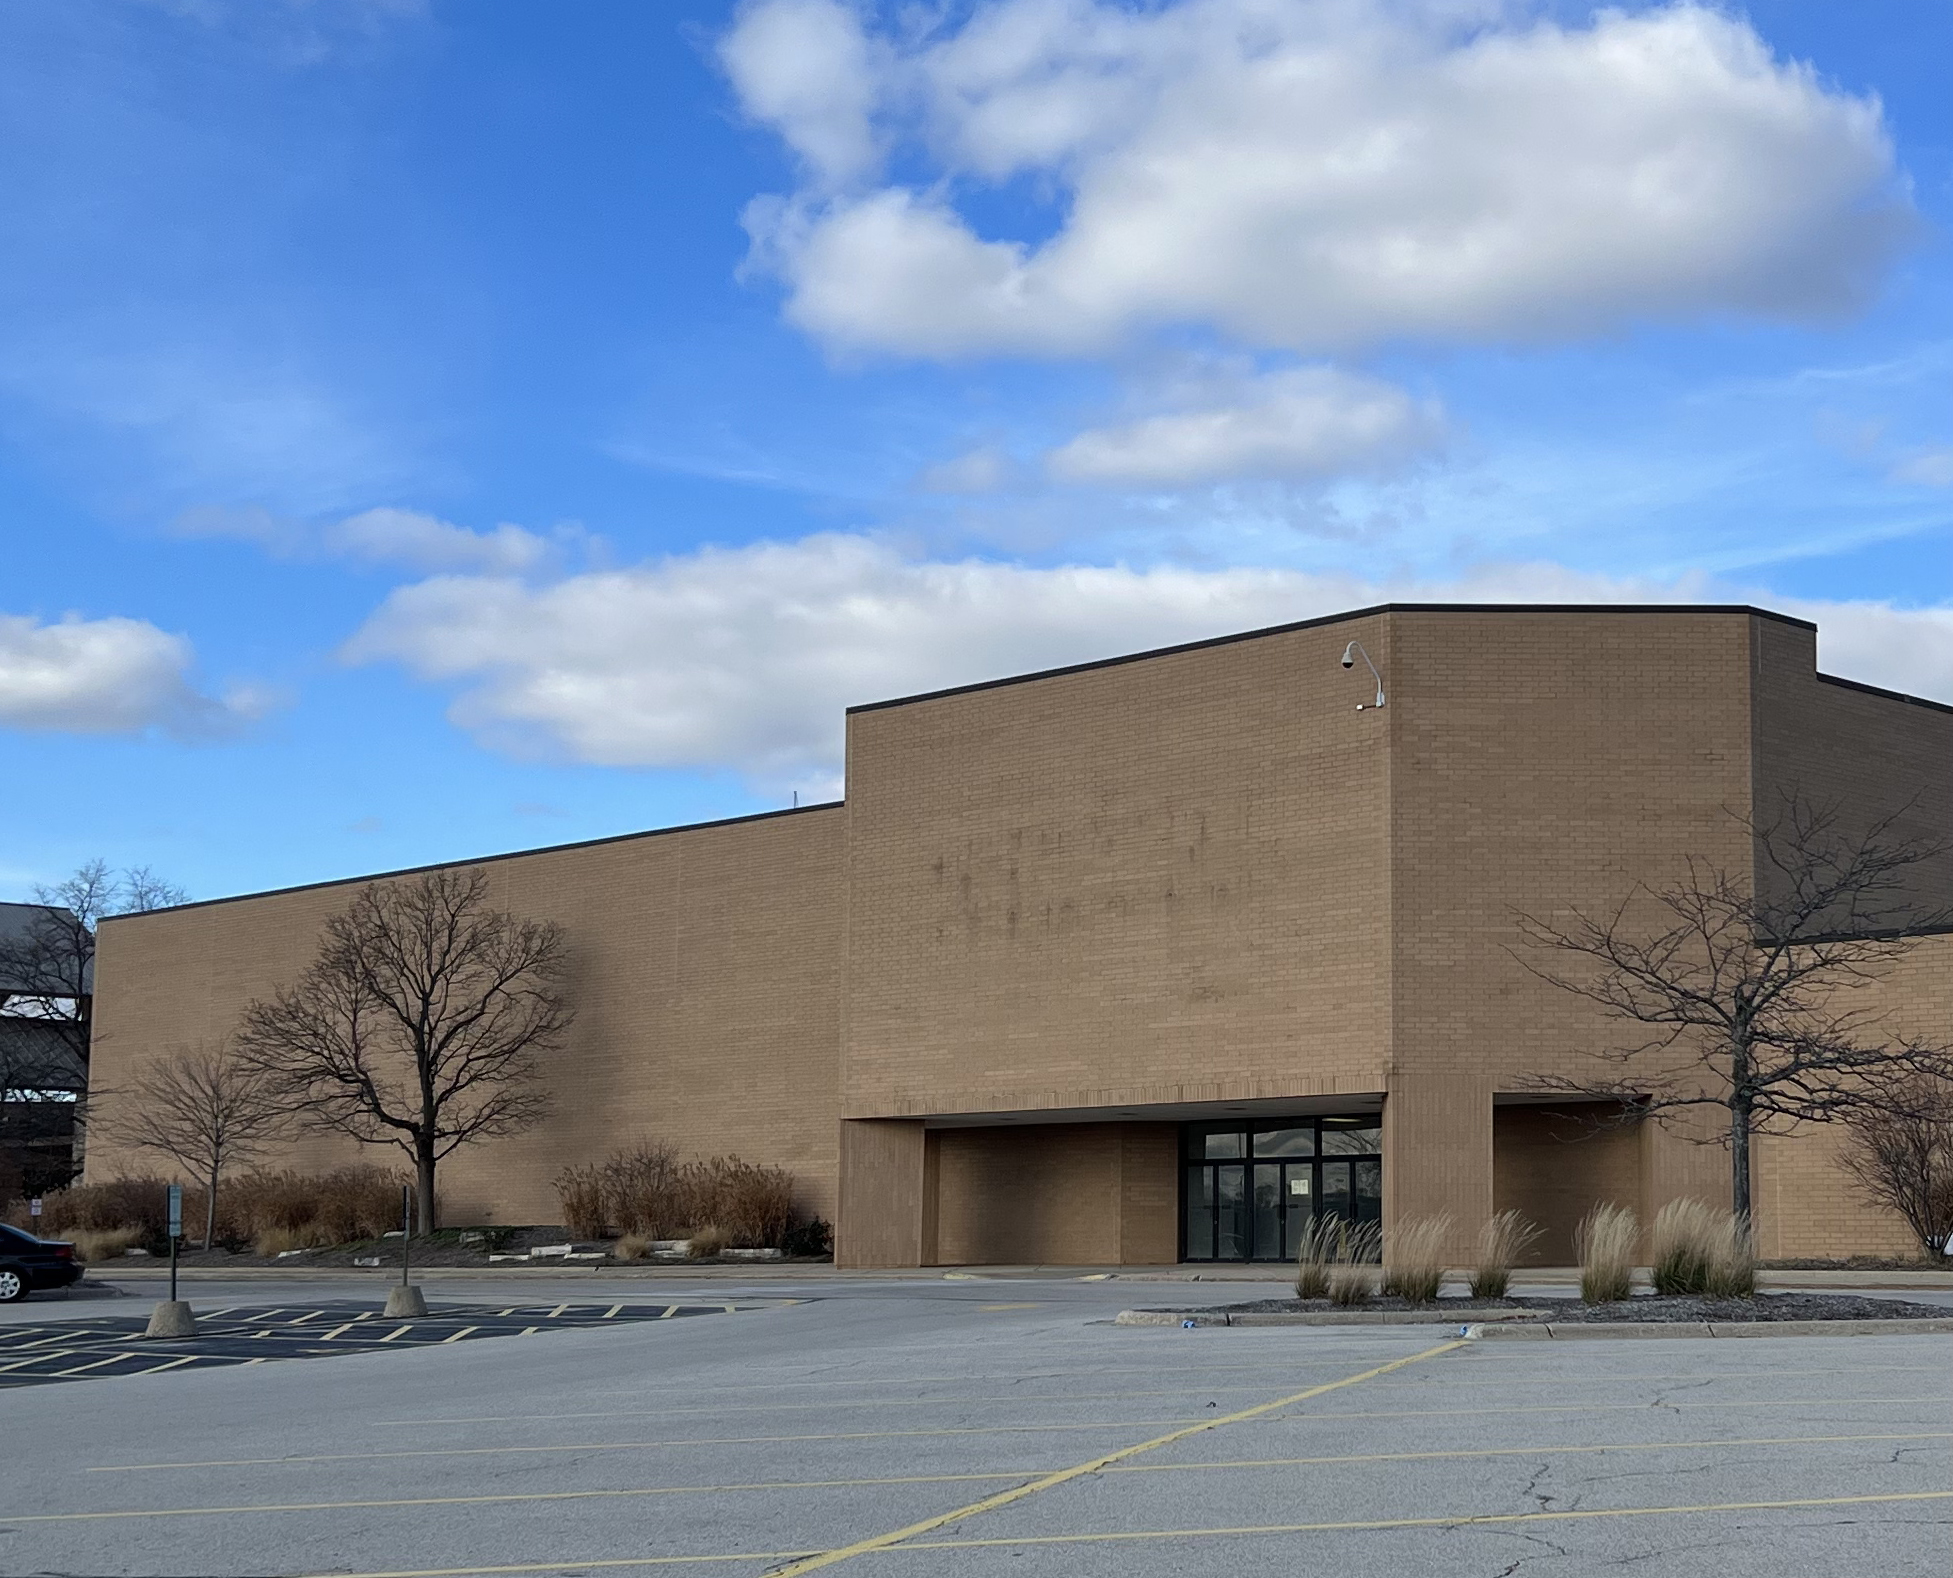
1249 1193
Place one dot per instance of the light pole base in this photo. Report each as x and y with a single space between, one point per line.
405 1303
171 1318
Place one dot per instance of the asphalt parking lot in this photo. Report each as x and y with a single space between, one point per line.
971 1428
106 1347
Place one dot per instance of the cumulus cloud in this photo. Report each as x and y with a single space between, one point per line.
1300 423
408 538
108 676
807 68
1308 174
746 658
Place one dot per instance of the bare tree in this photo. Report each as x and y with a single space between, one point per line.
420 1023
1903 1159
47 984
204 1107
1745 981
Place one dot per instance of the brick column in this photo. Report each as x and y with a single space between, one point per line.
887 1215
1437 1154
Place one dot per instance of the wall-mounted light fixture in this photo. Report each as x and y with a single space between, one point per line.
1350 654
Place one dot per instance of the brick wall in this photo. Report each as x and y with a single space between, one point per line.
706 968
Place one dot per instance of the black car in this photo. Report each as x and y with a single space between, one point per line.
27 1263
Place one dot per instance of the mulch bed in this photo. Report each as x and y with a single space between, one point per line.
446 1248
1642 1307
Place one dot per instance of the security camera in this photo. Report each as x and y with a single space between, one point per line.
1348 661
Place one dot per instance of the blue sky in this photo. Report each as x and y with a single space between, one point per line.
434 429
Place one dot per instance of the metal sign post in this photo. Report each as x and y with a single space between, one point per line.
176 1232
405 1302
34 1211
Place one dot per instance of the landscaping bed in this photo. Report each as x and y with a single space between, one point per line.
1647 1307
502 1248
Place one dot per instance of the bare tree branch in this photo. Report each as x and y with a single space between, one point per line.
203 1107
1744 981
420 1023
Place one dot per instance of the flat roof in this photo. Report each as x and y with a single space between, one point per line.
1336 619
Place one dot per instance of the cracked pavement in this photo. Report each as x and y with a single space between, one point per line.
742 1446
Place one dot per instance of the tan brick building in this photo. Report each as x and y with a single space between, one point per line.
1148 959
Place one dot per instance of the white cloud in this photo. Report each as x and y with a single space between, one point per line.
806 67
423 542
1932 468
1300 423
746 658
409 538
108 676
1315 175
984 470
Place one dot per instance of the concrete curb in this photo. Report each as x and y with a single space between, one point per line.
1566 1330
1326 1318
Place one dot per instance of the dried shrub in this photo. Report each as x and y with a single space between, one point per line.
1501 1244
647 1192
1605 1243
706 1242
644 1193
581 1191
1351 1284
140 1203
633 1246
336 1207
751 1205
1414 1266
95 1244
1901 1157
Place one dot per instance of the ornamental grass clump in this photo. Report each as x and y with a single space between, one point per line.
1605 1243
1315 1257
1502 1243
1699 1250
1413 1262
1352 1274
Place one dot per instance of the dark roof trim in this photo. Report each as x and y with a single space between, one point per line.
488 860
1880 690
1336 619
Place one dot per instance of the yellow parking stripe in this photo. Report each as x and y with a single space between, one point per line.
1472 1520
510 1497
1096 1465
1488 1519
633 1446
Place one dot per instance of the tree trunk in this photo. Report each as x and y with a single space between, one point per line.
1739 1162
210 1209
425 1213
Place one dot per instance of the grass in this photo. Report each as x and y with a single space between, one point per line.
1605 1243
1502 1242
93 1244
1413 1262
1315 1257
1701 1250
315 1208
706 1242
633 1246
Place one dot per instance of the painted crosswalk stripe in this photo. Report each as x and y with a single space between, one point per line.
461 1333
169 1364
398 1331
21 1364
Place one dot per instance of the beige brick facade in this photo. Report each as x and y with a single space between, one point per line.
1058 916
